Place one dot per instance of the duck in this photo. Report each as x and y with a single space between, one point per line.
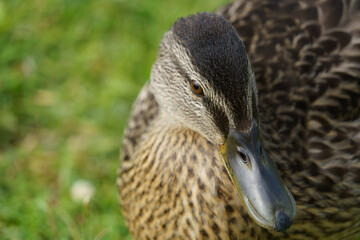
249 127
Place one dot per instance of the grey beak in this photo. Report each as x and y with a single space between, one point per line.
267 199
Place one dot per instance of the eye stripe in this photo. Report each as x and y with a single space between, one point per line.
195 86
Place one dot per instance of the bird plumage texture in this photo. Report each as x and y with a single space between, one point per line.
305 56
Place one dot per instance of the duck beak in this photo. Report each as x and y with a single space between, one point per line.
268 201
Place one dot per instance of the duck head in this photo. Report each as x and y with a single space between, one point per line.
203 80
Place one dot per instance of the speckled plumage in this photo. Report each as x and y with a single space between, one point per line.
306 59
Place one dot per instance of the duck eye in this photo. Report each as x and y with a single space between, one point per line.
196 88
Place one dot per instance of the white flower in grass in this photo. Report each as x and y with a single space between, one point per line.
82 191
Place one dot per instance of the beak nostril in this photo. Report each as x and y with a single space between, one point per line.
244 157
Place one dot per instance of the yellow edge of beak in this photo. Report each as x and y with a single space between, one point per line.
229 169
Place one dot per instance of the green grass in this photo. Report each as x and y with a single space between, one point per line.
69 72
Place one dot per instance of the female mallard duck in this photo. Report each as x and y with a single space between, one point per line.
198 151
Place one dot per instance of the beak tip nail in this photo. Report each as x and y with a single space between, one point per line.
282 221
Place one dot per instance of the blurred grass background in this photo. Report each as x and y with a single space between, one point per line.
69 72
